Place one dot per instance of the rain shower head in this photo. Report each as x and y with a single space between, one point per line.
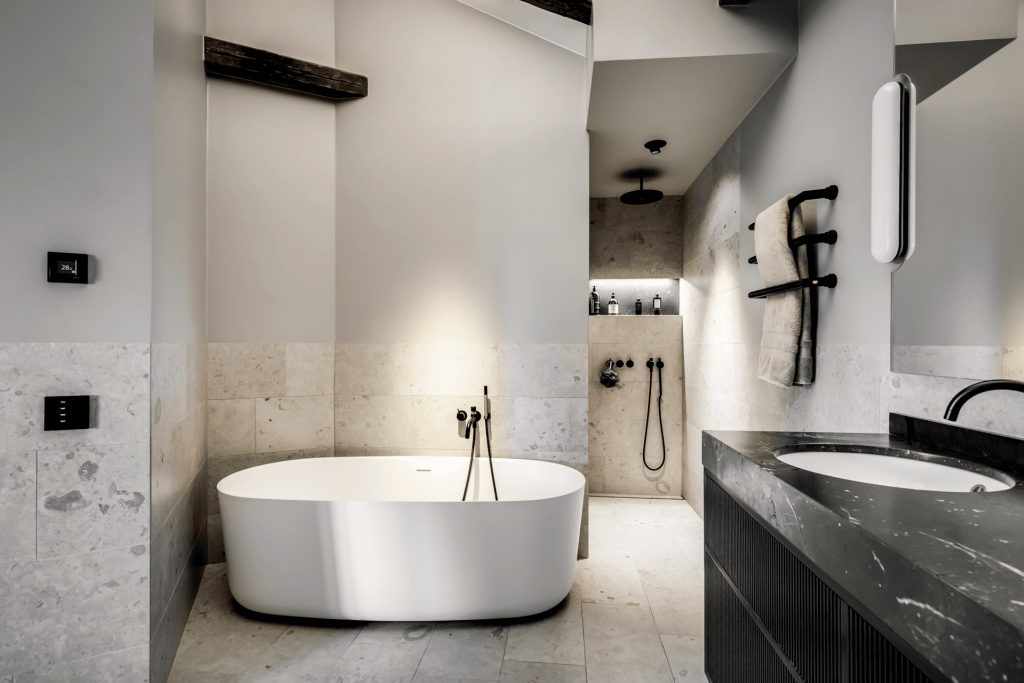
642 196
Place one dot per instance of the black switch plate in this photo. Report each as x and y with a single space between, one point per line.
64 267
65 412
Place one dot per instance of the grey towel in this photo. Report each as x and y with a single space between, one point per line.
805 356
782 331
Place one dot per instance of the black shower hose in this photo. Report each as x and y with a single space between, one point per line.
472 450
490 461
650 390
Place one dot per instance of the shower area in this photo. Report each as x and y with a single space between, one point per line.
637 414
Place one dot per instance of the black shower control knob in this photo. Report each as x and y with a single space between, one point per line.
650 363
461 415
660 364
629 363
619 363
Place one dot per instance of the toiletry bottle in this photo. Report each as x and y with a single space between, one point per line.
595 302
613 305
657 305
639 307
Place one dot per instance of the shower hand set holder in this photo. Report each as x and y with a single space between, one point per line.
830 237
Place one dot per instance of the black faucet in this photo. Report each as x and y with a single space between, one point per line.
953 409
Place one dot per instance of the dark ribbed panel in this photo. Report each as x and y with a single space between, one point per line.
802 614
736 651
873 659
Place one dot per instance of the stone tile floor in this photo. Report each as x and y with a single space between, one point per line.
635 615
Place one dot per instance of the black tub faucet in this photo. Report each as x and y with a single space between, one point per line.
953 409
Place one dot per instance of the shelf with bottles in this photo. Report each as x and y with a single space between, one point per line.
627 292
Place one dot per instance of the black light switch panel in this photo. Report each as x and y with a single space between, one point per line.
65 412
62 267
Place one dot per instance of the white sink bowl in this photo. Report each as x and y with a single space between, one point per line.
895 471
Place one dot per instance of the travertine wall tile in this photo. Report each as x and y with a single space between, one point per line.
92 498
595 467
551 424
604 329
364 369
362 421
173 543
636 241
169 385
543 370
231 428
245 370
294 423
117 374
17 507
97 602
445 369
309 369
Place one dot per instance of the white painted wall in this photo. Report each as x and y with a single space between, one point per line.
940 21
462 179
271 184
179 172
76 154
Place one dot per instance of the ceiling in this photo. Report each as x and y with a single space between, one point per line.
694 103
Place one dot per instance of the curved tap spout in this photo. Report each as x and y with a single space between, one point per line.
953 409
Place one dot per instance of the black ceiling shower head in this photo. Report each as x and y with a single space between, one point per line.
641 196
655 146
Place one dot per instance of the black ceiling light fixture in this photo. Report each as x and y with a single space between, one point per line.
655 146
642 196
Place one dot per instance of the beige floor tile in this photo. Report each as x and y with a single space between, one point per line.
186 676
623 645
383 652
534 672
610 580
302 653
464 650
686 656
556 637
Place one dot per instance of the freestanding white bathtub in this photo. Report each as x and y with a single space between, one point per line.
389 538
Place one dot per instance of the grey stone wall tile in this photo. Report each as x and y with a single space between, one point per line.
245 370
168 385
446 369
17 507
293 423
117 374
364 369
173 544
97 602
92 498
168 633
123 666
231 426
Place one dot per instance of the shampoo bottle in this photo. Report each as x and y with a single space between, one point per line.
595 302
613 305
656 309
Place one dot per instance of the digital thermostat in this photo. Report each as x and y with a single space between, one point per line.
62 267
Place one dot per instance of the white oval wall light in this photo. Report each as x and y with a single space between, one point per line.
893 171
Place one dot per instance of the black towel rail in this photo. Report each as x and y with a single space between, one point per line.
830 192
827 281
829 237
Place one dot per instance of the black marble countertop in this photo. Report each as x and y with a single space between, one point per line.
944 571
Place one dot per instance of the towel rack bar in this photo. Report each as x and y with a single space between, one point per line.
829 237
830 192
827 281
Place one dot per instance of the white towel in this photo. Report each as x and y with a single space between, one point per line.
783 313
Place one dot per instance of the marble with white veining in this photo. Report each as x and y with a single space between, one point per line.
116 374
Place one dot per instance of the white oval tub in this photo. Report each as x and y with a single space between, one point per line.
389 538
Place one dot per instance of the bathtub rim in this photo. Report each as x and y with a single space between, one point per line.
581 483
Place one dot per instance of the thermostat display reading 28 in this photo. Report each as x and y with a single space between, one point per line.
62 267
69 267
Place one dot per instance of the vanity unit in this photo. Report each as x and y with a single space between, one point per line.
812 578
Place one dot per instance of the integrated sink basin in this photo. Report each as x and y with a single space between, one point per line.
902 469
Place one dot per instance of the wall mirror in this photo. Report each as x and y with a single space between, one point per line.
958 302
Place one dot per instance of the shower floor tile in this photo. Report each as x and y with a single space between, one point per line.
635 614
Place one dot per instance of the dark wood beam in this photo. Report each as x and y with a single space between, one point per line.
580 10
241 63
